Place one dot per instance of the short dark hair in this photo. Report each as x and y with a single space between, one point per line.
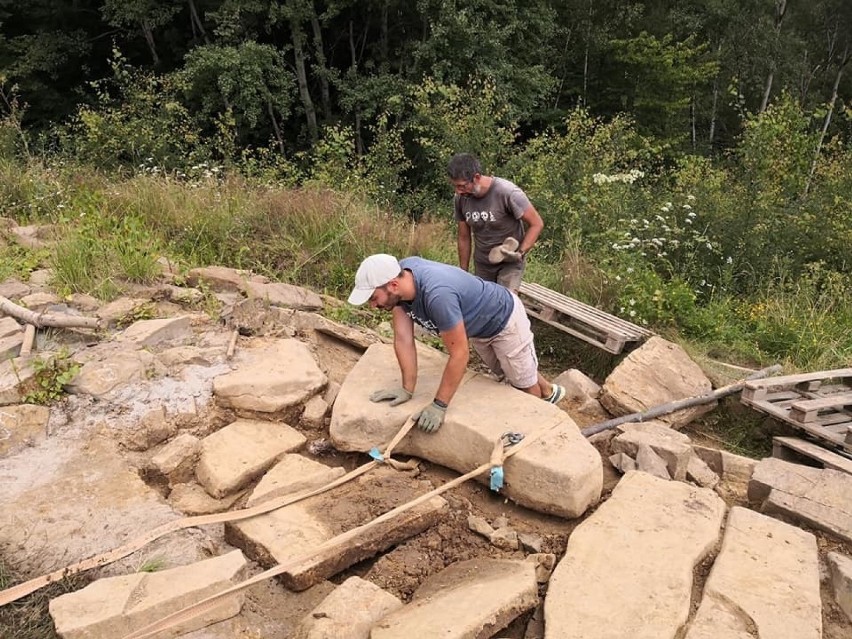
463 166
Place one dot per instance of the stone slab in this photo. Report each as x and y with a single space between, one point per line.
21 425
559 473
284 295
840 567
815 496
729 466
10 346
299 535
628 568
349 612
14 373
292 474
117 606
240 452
9 326
153 332
469 599
656 373
672 446
764 583
99 378
270 376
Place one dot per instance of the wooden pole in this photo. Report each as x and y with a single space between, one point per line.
29 339
41 320
671 407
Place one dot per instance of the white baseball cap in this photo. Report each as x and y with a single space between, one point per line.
375 271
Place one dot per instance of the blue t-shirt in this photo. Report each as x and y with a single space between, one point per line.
446 295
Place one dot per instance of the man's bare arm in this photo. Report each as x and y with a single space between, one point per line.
403 346
535 225
456 343
463 242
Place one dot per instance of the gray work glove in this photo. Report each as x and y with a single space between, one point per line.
511 256
430 418
396 396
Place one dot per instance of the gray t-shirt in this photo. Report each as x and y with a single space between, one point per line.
493 217
446 295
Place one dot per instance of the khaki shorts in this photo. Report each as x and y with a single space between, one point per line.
507 274
511 352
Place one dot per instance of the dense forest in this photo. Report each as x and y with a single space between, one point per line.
690 159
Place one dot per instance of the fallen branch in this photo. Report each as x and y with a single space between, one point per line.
41 320
671 407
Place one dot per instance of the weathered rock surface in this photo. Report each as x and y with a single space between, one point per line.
700 473
238 453
174 462
628 568
656 373
14 290
474 598
156 331
648 461
840 567
730 467
315 411
120 309
100 377
293 474
116 606
349 612
284 295
559 473
192 499
300 535
764 583
818 497
219 278
14 374
22 425
673 447
9 326
270 377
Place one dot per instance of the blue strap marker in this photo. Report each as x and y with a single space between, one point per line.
496 478
375 454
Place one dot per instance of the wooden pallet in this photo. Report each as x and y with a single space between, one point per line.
819 403
581 320
793 449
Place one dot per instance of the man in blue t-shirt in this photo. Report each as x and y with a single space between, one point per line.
462 309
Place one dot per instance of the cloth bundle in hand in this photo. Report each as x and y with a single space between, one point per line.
506 252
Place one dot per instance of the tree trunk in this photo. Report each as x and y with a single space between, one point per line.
359 142
196 21
275 125
302 78
149 38
827 121
319 50
780 12
715 104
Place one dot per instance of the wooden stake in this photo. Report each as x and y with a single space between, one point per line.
29 339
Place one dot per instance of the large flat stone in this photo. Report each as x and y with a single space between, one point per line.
284 295
292 474
156 331
656 373
815 496
560 473
238 453
764 583
292 535
840 567
627 570
14 373
99 378
117 606
729 466
349 612
270 376
673 447
24 424
470 599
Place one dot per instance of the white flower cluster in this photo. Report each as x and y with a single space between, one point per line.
627 178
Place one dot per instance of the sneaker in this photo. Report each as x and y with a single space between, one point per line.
557 395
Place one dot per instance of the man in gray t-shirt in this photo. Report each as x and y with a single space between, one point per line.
499 215
462 309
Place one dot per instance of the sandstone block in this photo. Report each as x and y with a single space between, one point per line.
284 295
98 378
673 447
628 568
238 453
656 373
274 375
840 567
22 425
474 598
764 583
314 414
116 606
349 612
156 331
729 467
293 474
559 473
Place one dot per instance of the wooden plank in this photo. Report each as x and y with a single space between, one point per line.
808 409
577 334
826 458
813 429
573 307
789 381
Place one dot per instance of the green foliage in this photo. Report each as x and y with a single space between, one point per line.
102 251
51 376
18 261
137 314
